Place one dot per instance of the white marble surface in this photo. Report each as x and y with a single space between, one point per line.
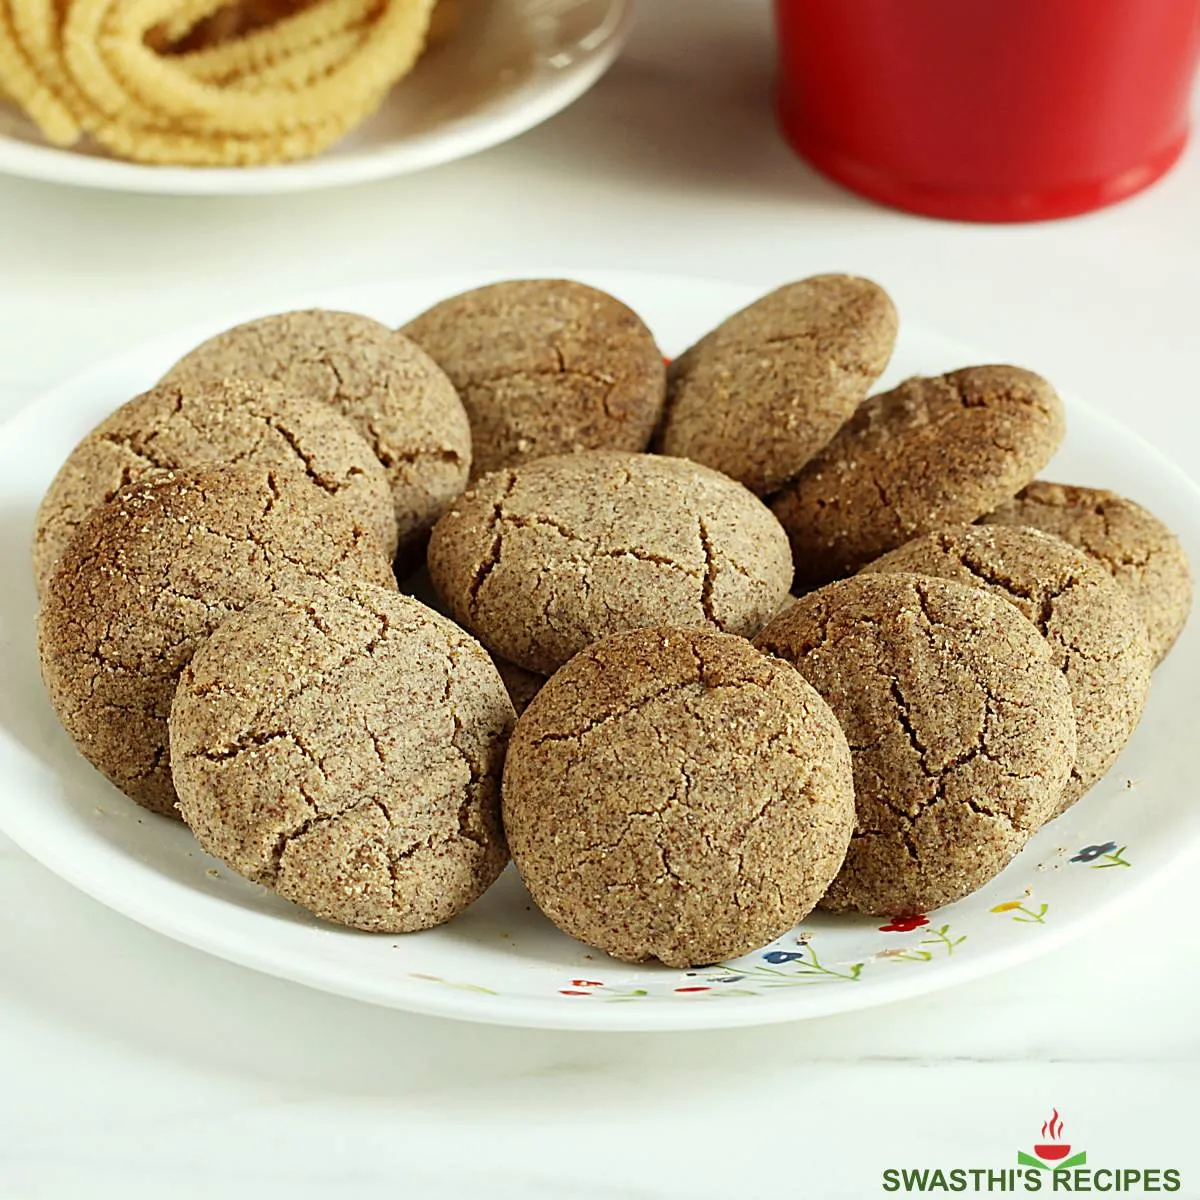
132 1067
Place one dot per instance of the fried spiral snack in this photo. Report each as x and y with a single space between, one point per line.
291 80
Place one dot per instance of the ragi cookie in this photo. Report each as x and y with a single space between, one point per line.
960 728
546 366
182 426
674 794
1094 633
1133 545
344 747
521 685
394 394
148 576
763 392
543 559
929 453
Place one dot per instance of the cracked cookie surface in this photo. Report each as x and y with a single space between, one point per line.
345 749
1097 639
545 366
183 426
763 392
1132 544
960 726
675 794
148 576
931 452
393 393
541 560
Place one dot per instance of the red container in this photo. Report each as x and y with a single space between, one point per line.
988 110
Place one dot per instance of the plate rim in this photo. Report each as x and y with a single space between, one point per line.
534 102
548 1012
551 1013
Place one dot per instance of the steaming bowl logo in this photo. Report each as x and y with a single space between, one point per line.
1052 1154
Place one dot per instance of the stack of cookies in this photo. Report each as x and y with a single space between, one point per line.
774 641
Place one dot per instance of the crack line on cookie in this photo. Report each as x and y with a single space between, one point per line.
305 458
710 575
489 563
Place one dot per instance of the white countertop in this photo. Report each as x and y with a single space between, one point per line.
133 1067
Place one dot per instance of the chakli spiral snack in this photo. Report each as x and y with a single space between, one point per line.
277 91
234 20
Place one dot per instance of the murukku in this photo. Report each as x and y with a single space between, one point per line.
203 82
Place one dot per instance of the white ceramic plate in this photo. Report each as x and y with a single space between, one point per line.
513 64
502 961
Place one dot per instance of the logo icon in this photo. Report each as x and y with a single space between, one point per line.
1052 1153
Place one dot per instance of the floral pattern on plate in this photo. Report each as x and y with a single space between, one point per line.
781 966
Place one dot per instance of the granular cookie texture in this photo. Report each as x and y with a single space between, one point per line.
960 729
542 560
148 576
345 748
929 453
1096 637
521 685
182 426
394 394
546 366
673 794
763 392
1133 545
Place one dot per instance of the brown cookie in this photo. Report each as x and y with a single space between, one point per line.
1095 635
521 685
960 729
929 453
763 392
393 393
546 366
674 794
344 748
148 576
179 427
542 560
1133 545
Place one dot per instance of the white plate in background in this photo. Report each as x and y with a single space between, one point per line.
512 65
